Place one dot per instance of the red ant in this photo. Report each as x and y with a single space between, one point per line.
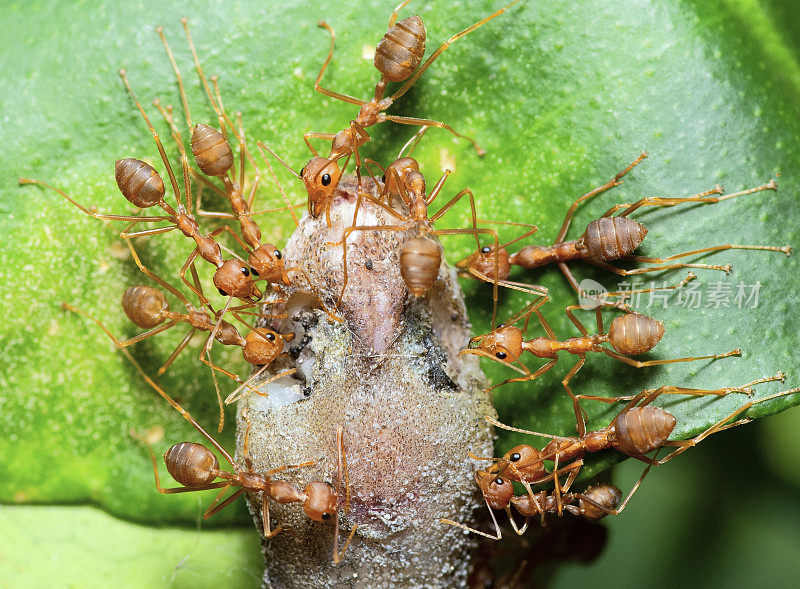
141 185
196 468
628 334
609 238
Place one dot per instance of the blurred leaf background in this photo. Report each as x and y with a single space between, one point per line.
563 95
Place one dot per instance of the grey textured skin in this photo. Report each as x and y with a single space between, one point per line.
411 408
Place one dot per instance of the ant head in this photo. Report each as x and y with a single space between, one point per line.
145 306
497 490
321 177
523 460
263 345
321 501
483 261
399 169
232 279
139 182
211 150
267 262
504 343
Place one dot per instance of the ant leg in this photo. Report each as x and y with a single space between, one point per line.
325 91
410 82
146 232
523 431
719 248
350 230
619 271
531 376
703 197
599 301
160 33
213 509
580 414
96 215
314 135
549 330
186 415
497 536
202 76
341 459
670 390
624 294
117 342
684 445
521 286
615 181
700 197
152 275
236 395
641 364
412 143
285 197
429 123
156 138
581 327
189 261
177 351
332 316
393 18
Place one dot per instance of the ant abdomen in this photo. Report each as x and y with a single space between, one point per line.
610 238
400 51
642 429
634 333
139 182
321 501
607 496
211 150
146 306
420 259
192 465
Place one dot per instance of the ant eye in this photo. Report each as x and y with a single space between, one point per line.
302 170
486 249
383 178
270 337
515 457
222 292
326 179
326 516
255 272
278 254
245 271
501 355
499 481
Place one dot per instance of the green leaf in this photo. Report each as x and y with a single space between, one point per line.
562 95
